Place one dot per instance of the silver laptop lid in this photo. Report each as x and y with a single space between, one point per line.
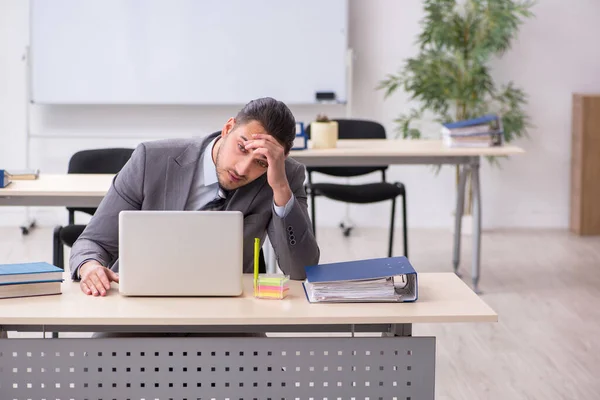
180 253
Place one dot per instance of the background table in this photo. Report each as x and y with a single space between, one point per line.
88 190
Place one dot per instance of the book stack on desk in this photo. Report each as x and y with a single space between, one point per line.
390 279
23 174
30 279
4 179
484 131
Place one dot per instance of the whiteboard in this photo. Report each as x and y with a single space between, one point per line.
186 51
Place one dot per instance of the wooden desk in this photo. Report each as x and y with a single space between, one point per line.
396 364
68 190
367 152
443 297
88 190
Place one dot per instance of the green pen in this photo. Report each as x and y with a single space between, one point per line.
256 254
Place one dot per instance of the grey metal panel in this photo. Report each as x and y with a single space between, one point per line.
401 368
204 328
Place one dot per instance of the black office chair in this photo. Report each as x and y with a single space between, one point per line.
359 194
100 161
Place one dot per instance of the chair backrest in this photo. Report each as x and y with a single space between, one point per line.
96 161
353 129
99 161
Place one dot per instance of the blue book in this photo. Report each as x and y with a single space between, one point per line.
486 119
29 273
390 279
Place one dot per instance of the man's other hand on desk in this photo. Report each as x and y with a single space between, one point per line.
96 279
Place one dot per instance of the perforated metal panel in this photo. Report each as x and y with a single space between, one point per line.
400 368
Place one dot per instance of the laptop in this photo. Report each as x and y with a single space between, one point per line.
180 253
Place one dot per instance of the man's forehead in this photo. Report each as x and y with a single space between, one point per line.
251 128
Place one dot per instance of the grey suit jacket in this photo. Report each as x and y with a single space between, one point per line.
159 176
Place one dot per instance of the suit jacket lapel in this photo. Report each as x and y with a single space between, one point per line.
180 174
243 197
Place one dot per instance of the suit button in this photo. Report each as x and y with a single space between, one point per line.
292 242
290 228
292 237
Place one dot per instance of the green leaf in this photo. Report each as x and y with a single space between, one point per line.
414 133
404 128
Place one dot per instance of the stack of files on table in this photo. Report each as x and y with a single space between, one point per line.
484 131
390 279
4 179
23 174
29 279
7 177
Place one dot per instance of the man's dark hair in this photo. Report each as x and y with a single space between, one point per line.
274 116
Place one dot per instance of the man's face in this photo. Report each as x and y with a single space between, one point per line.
237 166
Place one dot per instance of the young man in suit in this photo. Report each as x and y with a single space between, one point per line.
243 167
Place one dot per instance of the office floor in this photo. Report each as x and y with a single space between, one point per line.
545 286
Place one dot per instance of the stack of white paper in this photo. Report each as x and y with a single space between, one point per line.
365 290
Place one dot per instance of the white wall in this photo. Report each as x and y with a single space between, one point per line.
555 55
13 39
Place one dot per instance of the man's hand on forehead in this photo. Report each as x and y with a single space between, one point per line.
268 147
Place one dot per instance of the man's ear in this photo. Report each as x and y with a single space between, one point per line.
228 127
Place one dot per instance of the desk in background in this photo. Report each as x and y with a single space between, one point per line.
392 365
370 152
66 190
88 190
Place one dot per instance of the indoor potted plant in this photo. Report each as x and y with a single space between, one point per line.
450 78
323 133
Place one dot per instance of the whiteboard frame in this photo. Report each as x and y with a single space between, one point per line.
344 101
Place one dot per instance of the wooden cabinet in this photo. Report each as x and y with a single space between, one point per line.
585 165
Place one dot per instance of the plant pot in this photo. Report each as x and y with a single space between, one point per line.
324 135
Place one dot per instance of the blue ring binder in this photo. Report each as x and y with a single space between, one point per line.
301 140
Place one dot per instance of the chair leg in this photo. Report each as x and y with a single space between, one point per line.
312 213
57 253
392 227
57 257
61 256
404 226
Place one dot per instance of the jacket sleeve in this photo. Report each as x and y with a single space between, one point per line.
292 237
100 239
